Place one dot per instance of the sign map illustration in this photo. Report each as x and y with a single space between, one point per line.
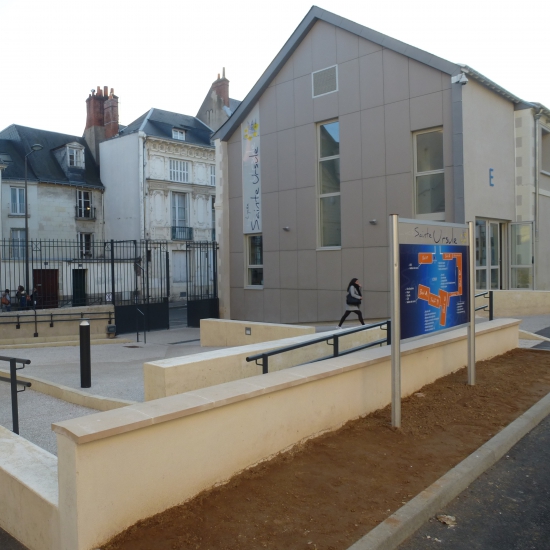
434 288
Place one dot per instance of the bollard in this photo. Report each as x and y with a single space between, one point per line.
85 356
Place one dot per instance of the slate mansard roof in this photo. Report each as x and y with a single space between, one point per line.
43 166
318 14
159 123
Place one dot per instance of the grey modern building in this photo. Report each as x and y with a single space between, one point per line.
347 126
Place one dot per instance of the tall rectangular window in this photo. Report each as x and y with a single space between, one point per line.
84 204
85 242
76 157
180 219
179 171
212 174
329 184
17 206
254 260
17 244
429 175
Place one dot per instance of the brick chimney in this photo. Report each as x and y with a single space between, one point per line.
101 118
221 87
111 115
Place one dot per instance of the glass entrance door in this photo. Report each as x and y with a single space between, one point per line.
488 255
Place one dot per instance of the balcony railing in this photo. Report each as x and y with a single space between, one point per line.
84 213
182 233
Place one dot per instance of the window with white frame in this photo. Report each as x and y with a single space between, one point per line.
17 205
84 204
179 171
329 184
212 174
178 134
254 261
429 175
180 218
76 157
85 244
17 244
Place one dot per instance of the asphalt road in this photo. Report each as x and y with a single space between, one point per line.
506 508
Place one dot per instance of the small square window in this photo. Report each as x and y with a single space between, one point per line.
178 134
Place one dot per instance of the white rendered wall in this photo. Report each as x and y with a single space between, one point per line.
120 176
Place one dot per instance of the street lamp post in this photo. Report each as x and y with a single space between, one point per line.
35 147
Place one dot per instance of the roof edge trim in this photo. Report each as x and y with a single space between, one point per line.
318 14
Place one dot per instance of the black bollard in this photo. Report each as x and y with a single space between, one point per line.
85 356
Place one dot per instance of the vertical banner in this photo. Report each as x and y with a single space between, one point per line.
252 180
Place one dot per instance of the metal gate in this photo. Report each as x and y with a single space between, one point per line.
202 282
140 278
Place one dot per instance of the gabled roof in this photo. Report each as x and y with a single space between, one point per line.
43 165
318 14
159 123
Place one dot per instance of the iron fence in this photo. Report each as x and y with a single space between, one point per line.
63 273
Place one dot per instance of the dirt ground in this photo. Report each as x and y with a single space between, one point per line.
329 492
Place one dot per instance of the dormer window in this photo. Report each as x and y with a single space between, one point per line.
178 134
76 157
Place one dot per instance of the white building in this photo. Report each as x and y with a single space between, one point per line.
159 175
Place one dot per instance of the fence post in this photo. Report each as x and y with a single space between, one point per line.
491 306
85 356
168 274
113 272
14 408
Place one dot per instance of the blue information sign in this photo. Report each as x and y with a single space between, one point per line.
434 285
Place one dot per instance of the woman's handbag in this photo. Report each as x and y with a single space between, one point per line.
352 300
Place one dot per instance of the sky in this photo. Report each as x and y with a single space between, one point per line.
166 53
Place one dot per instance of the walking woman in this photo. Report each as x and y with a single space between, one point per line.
353 301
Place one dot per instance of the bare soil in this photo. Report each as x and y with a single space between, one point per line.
329 492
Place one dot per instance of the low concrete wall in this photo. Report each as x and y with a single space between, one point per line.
222 332
191 372
517 303
164 452
71 395
65 324
28 492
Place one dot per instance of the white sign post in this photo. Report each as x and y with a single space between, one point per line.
432 288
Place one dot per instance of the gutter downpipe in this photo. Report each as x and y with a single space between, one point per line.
537 194
142 138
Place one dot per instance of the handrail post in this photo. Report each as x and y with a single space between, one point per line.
35 325
388 333
491 306
265 366
14 408
336 347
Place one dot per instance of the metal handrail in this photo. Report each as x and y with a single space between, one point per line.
33 317
490 305
335 337
14 383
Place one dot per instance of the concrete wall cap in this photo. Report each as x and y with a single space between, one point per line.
102 425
